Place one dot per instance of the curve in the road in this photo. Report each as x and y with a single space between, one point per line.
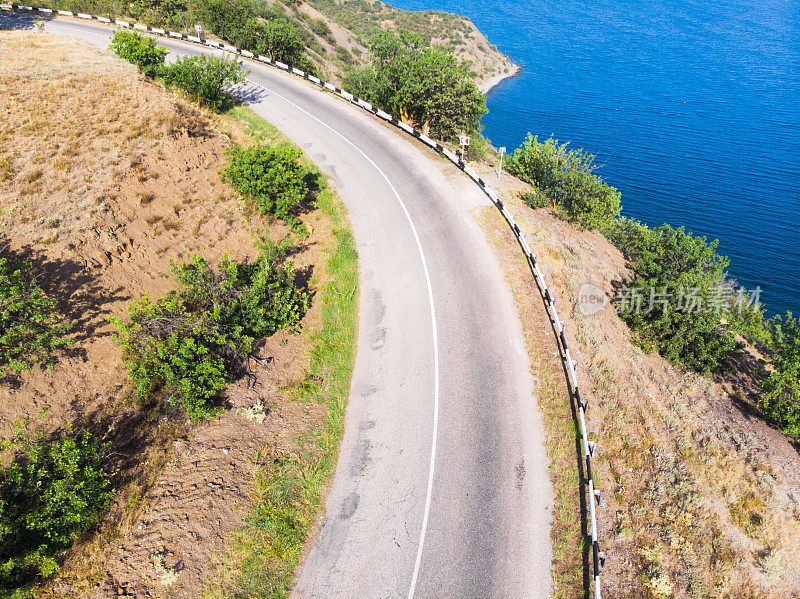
486 501
434 433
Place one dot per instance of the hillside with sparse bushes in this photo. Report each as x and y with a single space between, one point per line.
171 346
327 37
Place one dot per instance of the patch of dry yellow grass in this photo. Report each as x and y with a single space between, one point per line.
701 497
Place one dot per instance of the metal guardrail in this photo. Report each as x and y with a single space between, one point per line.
594 496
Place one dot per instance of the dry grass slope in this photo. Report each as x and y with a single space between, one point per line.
105 178
702 498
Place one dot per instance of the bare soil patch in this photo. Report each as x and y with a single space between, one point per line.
106 178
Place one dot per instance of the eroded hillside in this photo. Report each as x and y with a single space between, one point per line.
106 178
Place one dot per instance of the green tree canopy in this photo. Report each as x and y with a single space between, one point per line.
424 85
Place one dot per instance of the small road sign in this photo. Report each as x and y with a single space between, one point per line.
198 29
463 139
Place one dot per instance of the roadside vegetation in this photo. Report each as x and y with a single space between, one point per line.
424 85
204 79
698 493
322 37
192 343
270 178
31 330
679 301
52 492
231 354
288 490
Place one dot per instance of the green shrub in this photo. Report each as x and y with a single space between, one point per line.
225 18
678 300
168 348
190 344
281 41
478 147
781 400
566 177
344 55
271 177
141 50
321 28
50 494
166 13
29 325
276 38
256 298
535 199
204 78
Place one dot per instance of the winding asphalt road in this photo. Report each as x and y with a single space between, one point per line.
442 487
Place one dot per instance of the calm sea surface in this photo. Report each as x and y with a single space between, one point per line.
693 109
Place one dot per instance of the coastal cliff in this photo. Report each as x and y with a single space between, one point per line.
341 32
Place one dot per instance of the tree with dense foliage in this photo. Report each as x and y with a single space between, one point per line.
205 78
30 328
424 85
275 37
51 493
564 178
781 400
677 301
167 13
141 50
271 177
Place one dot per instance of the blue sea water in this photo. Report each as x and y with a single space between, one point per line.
692 107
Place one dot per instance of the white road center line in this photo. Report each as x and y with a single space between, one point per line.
429 492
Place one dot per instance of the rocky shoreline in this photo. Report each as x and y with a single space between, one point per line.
493 82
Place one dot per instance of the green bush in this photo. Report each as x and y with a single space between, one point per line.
190 344
321 28
281 41
160 13
255 298
271 177
225 18
421 84
566 177
168 348
276 38
781 400
30 330
204 78
344 55
141 50
478 147
678 300
50 494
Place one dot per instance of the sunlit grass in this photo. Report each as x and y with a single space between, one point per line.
288 490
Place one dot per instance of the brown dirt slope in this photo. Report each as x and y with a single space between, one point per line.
105 179
701 497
